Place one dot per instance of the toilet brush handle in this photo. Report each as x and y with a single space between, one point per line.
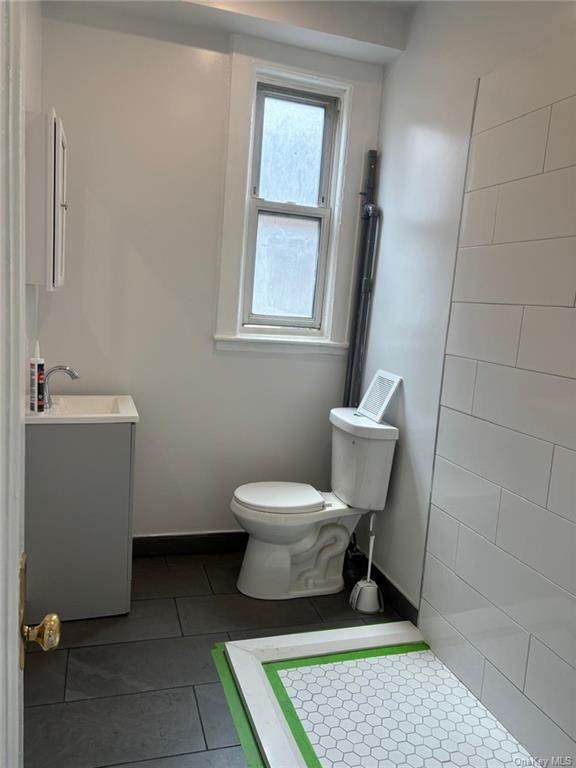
370 553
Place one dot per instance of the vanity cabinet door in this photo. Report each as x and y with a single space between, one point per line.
78 519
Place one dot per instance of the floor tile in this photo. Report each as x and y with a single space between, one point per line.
147 619
248 634
109 670
223 558
45 677
333 607
218 758
388 615
219 730
220 613
403 709
223 577
170 582
102 732
140 564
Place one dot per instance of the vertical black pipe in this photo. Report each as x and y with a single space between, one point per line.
370 217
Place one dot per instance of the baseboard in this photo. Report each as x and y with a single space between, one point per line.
392 595
189 544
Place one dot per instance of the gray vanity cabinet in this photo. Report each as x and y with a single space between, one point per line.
78 519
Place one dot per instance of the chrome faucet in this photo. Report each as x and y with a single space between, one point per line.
68 370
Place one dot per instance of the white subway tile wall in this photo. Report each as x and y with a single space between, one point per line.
541 272
485 331
469 498
489 629
511 151
549 340
562 495
452 648
458 383
478 217
443 536
561 145
499 591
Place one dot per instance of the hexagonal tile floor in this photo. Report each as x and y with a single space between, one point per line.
403 710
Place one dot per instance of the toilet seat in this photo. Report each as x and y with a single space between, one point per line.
280 497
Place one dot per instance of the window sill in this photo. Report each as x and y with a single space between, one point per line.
285 344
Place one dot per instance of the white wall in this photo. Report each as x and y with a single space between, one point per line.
499 592
427 112
383 24
146 120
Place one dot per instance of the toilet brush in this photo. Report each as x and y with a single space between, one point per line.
366 596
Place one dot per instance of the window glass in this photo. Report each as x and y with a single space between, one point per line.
286 265
291 154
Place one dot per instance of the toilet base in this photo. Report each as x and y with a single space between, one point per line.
310 565
326 589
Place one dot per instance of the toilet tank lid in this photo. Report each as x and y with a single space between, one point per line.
350 421
280 497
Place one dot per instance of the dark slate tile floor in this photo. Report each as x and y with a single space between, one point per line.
141 691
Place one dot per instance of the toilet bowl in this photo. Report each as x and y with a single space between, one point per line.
298 535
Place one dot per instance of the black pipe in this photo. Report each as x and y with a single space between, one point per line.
370 217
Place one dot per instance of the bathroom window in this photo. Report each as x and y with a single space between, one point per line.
289 207
299 125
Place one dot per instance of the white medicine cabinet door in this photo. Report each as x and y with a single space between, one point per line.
60 202
46 199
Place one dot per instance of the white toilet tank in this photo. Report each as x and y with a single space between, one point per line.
362 453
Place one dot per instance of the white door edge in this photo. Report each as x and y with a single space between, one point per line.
12 400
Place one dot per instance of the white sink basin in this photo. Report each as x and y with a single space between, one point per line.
87 409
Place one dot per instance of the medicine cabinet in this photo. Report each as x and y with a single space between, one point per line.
46 200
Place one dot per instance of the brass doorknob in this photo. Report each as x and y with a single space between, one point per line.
46 634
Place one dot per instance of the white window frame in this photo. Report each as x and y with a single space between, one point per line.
358 89
321 212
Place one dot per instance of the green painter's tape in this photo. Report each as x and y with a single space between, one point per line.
240 717
273 667
236 706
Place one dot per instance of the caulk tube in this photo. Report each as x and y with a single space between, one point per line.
37 381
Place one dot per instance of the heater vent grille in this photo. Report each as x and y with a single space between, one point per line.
378 395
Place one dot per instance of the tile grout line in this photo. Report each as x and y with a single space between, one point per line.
178 616
200 717
498 518
476 366
66 674
177 754
519 340
550 109
523 689
316 611
121 695
524 114
460 356
503 426
517 179
550 482
206 573
517 242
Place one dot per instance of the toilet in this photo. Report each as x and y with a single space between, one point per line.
298 535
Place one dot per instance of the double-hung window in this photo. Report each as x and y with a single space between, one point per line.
289 208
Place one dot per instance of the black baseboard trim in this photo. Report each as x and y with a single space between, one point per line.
189 544
393 597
